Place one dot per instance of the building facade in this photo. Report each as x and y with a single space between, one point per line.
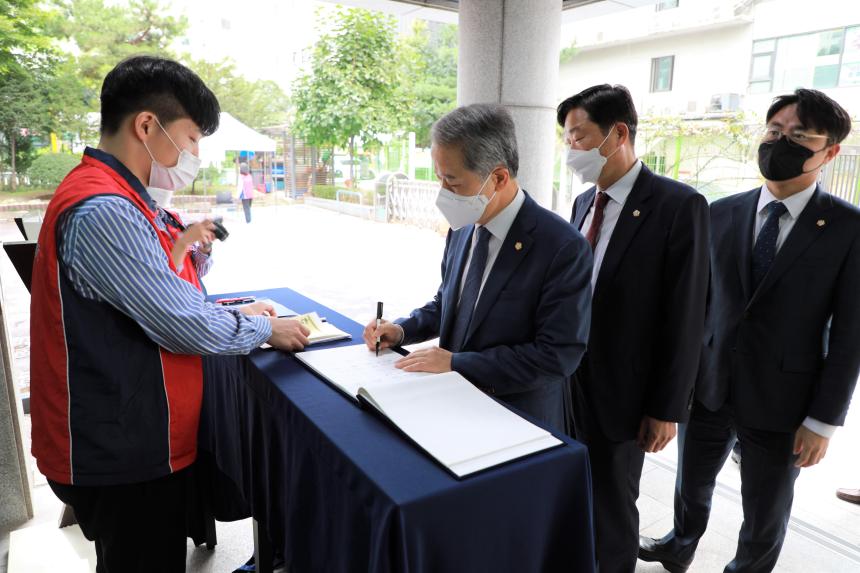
701 70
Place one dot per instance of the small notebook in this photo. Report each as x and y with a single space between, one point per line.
459 426
321 331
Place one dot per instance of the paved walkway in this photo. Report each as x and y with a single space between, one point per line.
348 264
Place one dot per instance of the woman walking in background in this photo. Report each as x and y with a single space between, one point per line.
246 189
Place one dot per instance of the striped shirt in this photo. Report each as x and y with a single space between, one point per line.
111 254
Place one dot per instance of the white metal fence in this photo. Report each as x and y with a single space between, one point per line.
412 202
841 177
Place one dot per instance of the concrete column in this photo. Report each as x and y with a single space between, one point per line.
15 503
509 53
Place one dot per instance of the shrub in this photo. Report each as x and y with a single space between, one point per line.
325 191
330 192
49 169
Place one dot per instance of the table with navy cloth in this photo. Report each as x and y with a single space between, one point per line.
337 488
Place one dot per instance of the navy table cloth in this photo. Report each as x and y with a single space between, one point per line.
338 489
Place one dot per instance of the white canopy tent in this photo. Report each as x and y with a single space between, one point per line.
232 135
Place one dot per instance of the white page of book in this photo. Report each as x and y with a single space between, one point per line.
458 424
351 367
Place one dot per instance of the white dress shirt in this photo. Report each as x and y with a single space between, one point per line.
617 193
795 206
498 227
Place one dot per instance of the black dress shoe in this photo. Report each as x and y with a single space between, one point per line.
652 550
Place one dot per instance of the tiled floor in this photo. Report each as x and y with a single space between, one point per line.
313 250
807 548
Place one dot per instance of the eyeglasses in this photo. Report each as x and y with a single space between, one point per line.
797 137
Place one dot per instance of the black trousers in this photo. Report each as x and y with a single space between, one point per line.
616 468
136 527
246 206
767 486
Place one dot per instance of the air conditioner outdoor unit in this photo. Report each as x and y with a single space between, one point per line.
725 102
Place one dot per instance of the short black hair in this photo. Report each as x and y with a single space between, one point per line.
605 105
166 88
816 111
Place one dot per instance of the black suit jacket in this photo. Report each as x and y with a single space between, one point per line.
530 326
648 307
790 349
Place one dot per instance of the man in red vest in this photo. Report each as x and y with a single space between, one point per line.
119 322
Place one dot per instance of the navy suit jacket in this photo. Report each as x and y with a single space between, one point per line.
530 326
648 310
791 348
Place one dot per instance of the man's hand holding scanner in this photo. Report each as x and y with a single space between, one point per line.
202 232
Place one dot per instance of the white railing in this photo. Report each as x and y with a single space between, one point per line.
841 177
413 202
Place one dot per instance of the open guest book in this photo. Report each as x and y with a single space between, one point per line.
444 414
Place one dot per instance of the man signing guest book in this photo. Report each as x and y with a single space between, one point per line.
512 312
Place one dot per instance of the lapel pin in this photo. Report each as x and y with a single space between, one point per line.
820 222
636 213
518 246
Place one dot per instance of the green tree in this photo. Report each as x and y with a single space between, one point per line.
105 34
692 151
258 104
26 68
430 62
23 95
22 26
567 54
352 89
69 101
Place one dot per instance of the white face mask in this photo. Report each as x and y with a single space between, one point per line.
161 196
588 165
176 177
460 211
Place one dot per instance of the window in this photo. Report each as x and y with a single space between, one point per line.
761 73
830 42
826 77
654 162
666 5
826 74
661 73
816 60
761 68
850 72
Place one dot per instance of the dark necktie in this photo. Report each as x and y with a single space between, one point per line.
471 289
764 251
597 219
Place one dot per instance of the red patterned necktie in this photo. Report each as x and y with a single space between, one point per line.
597 219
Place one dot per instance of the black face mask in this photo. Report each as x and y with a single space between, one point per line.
782 160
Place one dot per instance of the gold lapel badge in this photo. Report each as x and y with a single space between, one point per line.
518 246
820 222
636 213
